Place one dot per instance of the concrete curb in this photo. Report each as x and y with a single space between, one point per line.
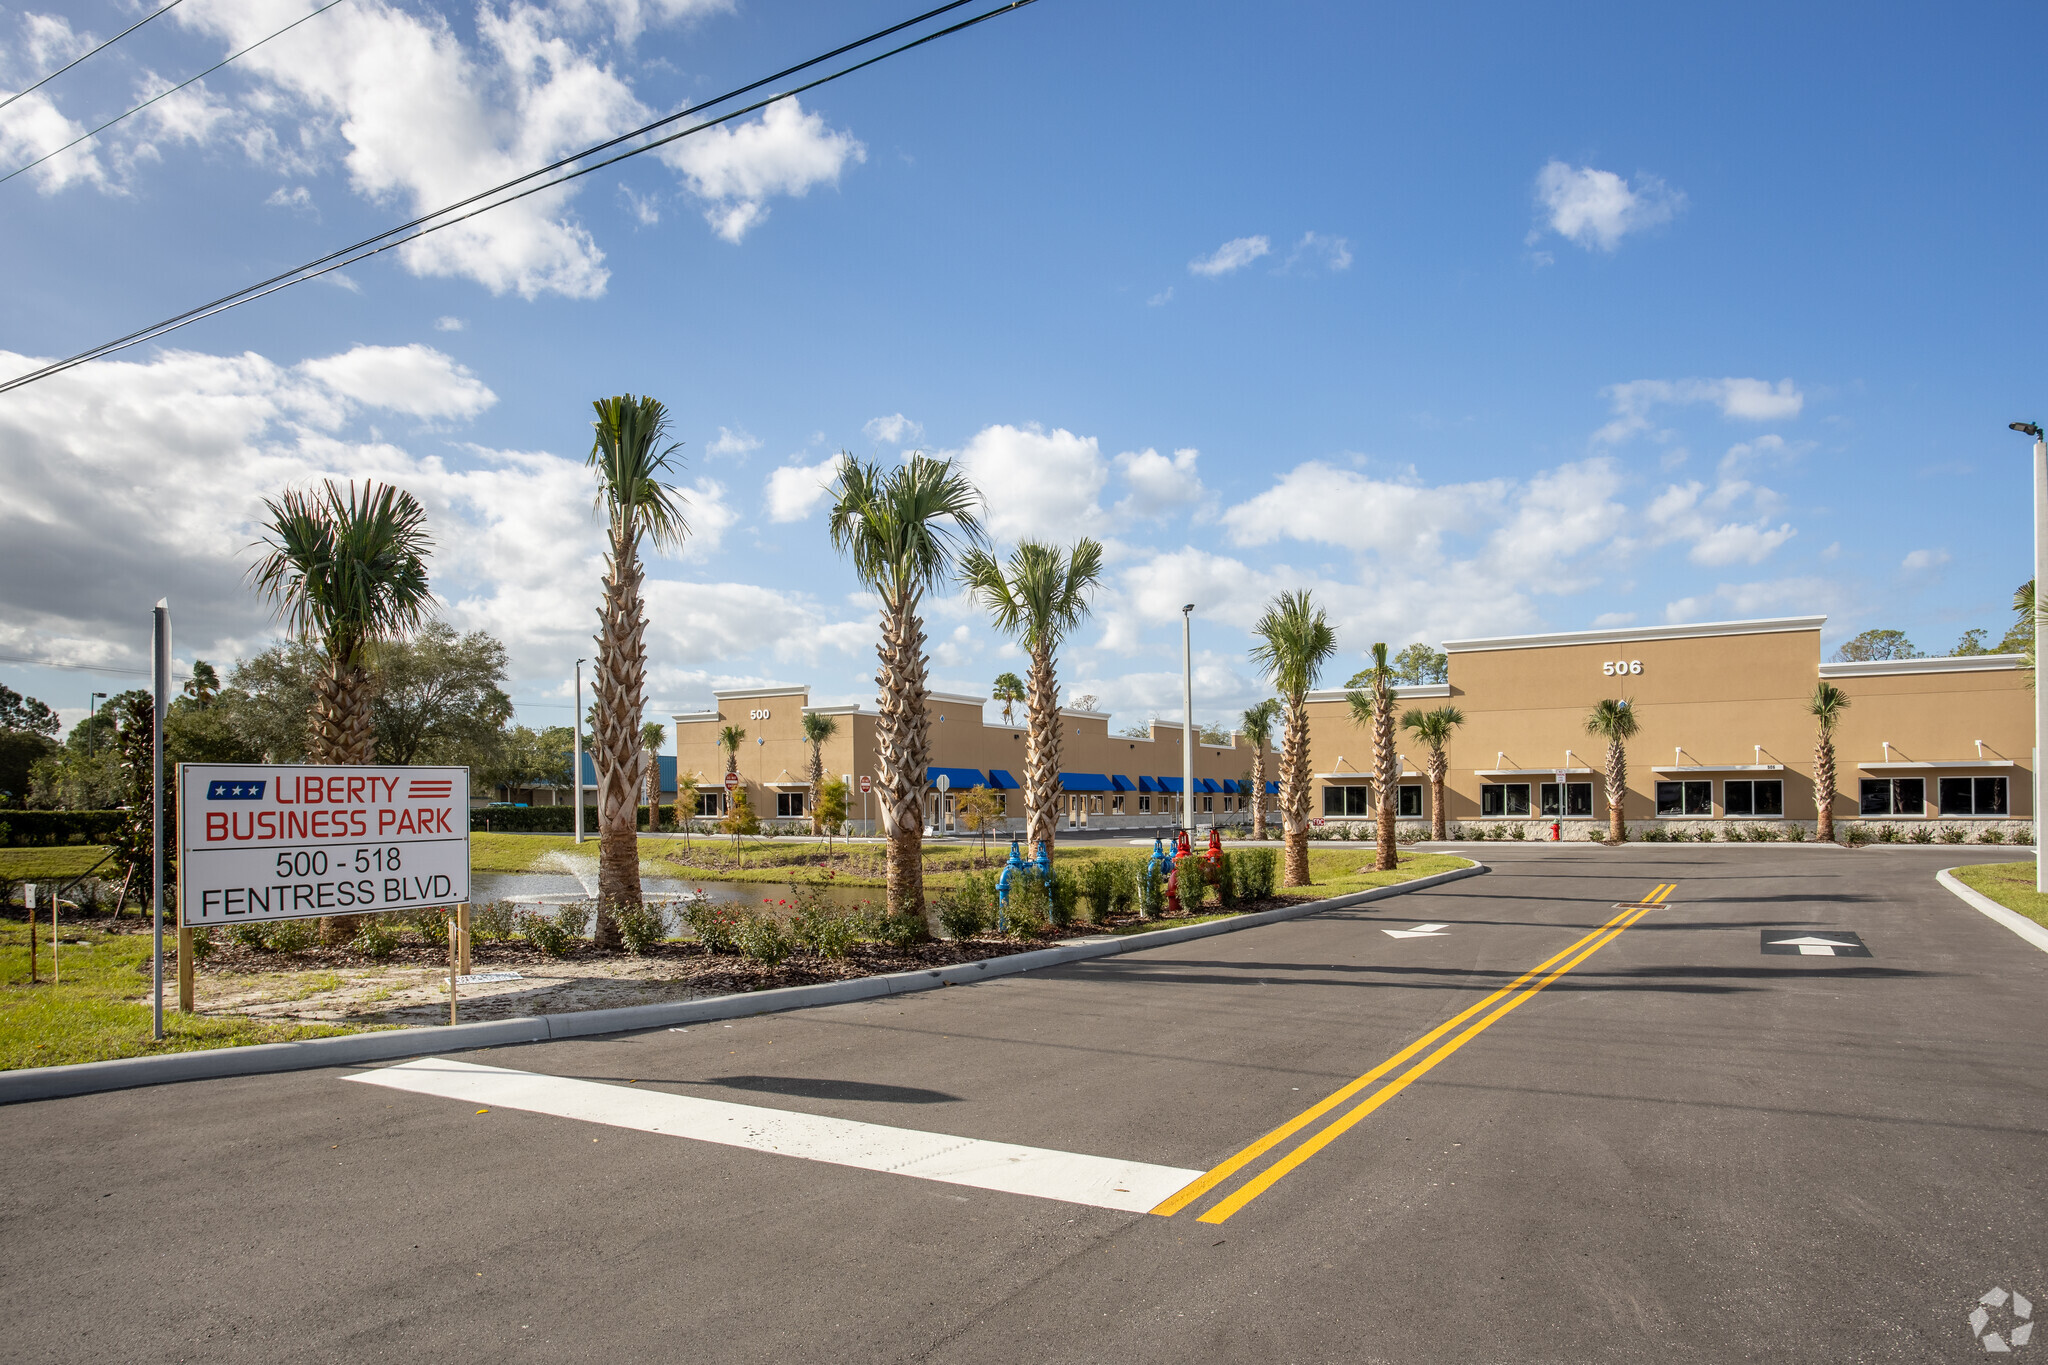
359 1049
2011 919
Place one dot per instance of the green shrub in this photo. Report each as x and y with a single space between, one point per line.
1226 882
1887 834
961 918
762 939
1734 834
1952 834
377 939
1856 836
1261 873
1123 887
1764 834
1991 836
715 924
2023 836
293 936
641 927
493 922
1795 834
547 932
1028 912
202 943
574 919
1151 881
1520 832
823 929
1063 898
1194 892
1922 834
430 923
906 930
246 935
1098 887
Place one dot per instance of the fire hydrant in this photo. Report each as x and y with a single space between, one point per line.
1556 830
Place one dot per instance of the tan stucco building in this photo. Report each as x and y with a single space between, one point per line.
1119 781
1725 737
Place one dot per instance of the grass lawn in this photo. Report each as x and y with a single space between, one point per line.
48 864
2010 884
101 1009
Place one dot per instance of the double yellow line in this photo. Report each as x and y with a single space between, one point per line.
1516 993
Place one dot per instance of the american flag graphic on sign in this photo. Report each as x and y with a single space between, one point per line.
425 789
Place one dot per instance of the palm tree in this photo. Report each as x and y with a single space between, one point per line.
652 735
818 731
1826 706
1373 711
729 739
1615 721
346 571
1297 641
901 529
1037 600
1434 729
630 461
1008 689
1257 724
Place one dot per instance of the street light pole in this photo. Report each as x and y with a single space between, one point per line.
92 714
2033 429
1187 715
577 762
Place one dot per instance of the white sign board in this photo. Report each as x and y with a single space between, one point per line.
267 841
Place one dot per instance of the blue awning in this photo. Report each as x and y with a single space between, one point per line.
1085 782
1272 789
1170 784
1148 784
960 778
1000 779
1121 783
1211 785
1230 784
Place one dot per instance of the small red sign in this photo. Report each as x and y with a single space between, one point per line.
867 784
731 780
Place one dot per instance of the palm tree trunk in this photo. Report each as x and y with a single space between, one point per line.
1259 792
1439 768
1042 752
1617 792
1294 779
817 782
341 732
620 691
1386 765
1824 789
902 748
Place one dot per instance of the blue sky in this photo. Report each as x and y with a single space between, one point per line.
1475 320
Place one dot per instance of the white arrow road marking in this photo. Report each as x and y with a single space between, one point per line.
1810 946
1103 1182
1419 931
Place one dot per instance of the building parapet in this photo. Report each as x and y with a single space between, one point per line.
1622 634
1964 663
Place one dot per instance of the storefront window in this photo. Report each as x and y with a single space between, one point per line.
1347 800
1685 798
711 803
1894 796
1747 797
1144 803
1504 798
789 805
1410 802
1578 798
1971 795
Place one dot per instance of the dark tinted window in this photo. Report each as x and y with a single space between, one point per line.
1909 796
1411 801
1877 797
1954 795
1738 797
1990 796
1770 797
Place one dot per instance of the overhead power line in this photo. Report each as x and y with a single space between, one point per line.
167 93
153 14
433 222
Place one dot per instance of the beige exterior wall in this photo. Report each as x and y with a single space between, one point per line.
966 733
1715 703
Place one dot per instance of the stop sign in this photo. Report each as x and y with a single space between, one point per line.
731 780
867 784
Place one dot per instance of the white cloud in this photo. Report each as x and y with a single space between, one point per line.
1749 400
1160 299
417 380
895 429
1597 208
1919 561
294 197
1737 601
32 127
795 490
1160 485
1688 512
1320 502
1608 620
1234 254
1036 482
1319 251
180 451
734 441
738 167
449 324
646 210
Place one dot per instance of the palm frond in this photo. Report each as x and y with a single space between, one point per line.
1296 640
1041 595
347 570
818 729
1826 706
904 527
1257 722
631 464
1613 720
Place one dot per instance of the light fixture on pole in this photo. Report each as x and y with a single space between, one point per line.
2033 429
160 669
1187 730
577 761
